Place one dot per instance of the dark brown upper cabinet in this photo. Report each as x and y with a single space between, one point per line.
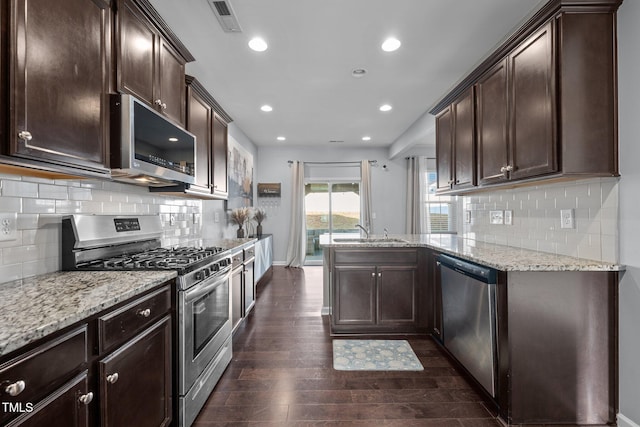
58 81
545 99
208 122
455 144
150 59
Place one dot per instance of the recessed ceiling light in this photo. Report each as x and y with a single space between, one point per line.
173 139
391 44
366 138
266 108
281 138
358 72
258 44
385 107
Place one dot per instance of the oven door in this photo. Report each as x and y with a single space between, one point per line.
204 316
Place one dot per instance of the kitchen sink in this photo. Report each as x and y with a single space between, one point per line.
366 240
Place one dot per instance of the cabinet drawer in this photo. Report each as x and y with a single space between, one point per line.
43 369
124 323
249 253
376 256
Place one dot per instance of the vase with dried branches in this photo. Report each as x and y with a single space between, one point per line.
239 216
259 215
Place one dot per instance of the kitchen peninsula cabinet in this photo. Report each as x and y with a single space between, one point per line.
150 59
374 290
455 144
546 100
58 81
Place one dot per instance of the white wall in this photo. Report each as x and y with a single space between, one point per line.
388 187
629 139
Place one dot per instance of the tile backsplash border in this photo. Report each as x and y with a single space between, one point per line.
536 218
41 203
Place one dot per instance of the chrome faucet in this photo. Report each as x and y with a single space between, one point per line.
366 231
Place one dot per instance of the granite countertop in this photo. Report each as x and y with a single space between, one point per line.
505 258
35 307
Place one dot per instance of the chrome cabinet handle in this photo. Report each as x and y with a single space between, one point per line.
379 274
113 378
85 399
144 313
164 106
503 169
509 168
158 102
25 135
373 274
15 388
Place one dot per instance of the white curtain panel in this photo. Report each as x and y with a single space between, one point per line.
365 198
296 249
415 195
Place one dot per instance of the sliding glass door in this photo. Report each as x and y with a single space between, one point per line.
330 207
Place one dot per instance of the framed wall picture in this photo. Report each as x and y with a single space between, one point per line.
240 176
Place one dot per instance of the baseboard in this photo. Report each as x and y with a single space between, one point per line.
280 263
626 422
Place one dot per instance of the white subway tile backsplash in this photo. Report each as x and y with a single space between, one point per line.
536 218
41 204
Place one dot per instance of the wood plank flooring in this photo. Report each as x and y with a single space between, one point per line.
282 373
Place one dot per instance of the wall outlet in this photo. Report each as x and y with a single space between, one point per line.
467 217
196 218
216 217
8 226
567 218
496 217
172 220
508 217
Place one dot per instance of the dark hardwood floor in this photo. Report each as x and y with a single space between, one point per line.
282 375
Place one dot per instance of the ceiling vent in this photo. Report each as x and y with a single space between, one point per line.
226 16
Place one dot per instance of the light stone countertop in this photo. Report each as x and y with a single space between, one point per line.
505 258
33 308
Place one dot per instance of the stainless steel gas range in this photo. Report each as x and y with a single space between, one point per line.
203 323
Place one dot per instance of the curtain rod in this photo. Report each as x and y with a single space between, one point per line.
373 162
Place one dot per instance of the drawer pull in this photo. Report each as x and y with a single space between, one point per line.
113 378
144 313
25 135
85 399
15 388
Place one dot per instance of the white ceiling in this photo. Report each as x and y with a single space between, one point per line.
314 45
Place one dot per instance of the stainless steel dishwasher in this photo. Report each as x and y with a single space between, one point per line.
469 317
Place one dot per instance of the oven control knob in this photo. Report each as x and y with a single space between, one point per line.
199 275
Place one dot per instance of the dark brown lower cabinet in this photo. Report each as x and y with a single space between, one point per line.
135 380
66 407
375 291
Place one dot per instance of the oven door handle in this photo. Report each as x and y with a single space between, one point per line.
205 287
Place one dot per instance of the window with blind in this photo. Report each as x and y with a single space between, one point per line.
439 215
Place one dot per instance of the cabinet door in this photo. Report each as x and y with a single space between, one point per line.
464 141
444 152
355 295
236 297
59 78
397 295
171 89
532 91
135 380
66 407
492 125
138 42
219 160
249 287
199 123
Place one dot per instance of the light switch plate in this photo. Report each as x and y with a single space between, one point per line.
8 226
467 217
172 219
216 217
496 217
508 217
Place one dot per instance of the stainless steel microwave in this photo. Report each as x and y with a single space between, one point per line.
146 148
